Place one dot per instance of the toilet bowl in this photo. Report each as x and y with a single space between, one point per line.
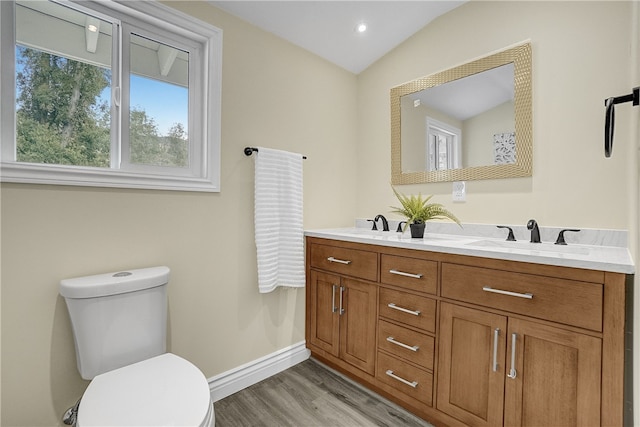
119 323
165 390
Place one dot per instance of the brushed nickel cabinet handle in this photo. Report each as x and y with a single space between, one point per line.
342 288
403 345
512 372
339 261
511 294
413 384
402 273
496 336
333 298
404 310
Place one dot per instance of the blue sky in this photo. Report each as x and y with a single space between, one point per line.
164 102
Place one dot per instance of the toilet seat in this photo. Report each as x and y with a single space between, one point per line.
165 390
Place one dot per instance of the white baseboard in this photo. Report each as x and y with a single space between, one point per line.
234 380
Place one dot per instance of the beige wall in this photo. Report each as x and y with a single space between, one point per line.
274 95
277 95
478 133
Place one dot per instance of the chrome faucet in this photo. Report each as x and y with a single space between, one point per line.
385 223
535 232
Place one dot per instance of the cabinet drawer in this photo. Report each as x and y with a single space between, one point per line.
406 344
406 378
559 300
411 273
409 309
350 262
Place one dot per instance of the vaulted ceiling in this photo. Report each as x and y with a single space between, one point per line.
328 28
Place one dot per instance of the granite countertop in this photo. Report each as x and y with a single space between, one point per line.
603 250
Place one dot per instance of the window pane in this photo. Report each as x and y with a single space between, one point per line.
443 153
159 104
63 86
431 152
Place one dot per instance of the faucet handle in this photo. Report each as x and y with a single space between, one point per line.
510 237
399 229
560 240
375 227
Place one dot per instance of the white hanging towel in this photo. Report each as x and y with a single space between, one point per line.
278 219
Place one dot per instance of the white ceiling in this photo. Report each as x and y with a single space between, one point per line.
472 95
327 28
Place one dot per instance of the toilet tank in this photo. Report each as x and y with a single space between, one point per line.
117 318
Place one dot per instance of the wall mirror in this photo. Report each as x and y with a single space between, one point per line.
470 122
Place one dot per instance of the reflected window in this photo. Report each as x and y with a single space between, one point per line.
443 145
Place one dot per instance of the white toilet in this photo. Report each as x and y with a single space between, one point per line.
119 325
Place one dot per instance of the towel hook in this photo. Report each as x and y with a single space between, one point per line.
610 116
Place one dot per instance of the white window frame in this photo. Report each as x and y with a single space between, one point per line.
153 19
454 148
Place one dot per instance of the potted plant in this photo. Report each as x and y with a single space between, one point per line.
418 211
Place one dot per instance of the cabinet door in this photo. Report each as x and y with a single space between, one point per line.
557 376
358 324
471 365
325 322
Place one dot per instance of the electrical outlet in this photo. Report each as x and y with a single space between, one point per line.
459 193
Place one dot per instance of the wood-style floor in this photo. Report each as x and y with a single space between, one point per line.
309 394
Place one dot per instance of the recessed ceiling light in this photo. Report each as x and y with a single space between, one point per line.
92 28
361 27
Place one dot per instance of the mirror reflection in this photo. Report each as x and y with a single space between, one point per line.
462 123
470 122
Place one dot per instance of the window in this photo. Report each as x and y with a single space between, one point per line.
443 146
103 94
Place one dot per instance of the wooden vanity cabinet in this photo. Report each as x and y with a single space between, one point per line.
495 369
471 365
465 340
342 310
556 377
540 339
406 327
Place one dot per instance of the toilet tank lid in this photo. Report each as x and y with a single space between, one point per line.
114 283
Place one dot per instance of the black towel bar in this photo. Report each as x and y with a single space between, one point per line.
249 151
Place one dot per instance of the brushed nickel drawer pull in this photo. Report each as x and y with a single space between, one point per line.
511 294
403 345
339 261
404 310
512 372
333 298
413 384
402 273
496 336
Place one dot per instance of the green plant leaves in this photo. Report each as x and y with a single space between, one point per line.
417 209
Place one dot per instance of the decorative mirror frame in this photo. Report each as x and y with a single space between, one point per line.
520 56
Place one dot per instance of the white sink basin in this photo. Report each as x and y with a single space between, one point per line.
531 247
